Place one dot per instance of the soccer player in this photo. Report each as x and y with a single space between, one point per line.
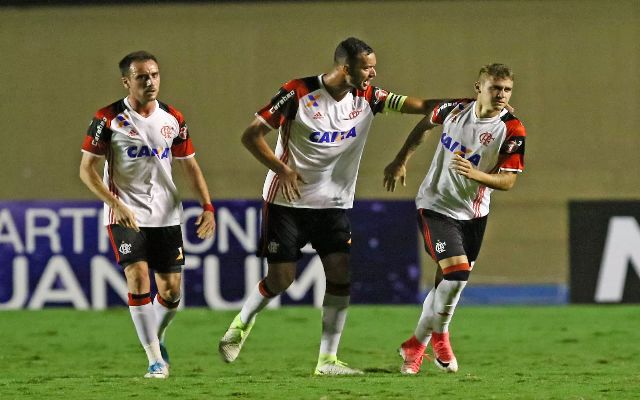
481 150
140 137
323 123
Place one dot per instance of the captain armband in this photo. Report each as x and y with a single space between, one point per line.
394 102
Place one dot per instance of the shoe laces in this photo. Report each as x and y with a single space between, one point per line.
442 350
417 361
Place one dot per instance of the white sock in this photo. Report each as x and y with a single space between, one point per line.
444 304
144 319
425 323
164 316
256 301
334 315
153 352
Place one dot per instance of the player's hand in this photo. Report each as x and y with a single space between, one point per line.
462 166
392 172
288 181
206 223
124 216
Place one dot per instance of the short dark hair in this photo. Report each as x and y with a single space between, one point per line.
139 55
495 70
349 49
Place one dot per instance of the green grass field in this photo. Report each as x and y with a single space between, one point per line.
573 352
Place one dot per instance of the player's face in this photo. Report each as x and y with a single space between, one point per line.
143 81
494 93
359 74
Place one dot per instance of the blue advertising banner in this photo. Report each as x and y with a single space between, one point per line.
57 253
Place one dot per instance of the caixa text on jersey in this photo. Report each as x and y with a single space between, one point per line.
144 151
332 136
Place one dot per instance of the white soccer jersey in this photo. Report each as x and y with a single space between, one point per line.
490 144
139 152
321 138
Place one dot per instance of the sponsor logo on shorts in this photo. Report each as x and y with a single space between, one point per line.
440 246
125 248
180 254
273 247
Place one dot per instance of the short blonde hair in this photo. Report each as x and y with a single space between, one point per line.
495 70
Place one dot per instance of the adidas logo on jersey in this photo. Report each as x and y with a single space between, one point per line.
331 137
318 115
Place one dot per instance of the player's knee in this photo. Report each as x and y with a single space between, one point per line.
457 276
275 284
137 275
338 289
169 299
458 272
171 295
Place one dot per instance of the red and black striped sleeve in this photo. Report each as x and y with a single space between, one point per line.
441 110
98 136
512 149
284 105
375 96
182 146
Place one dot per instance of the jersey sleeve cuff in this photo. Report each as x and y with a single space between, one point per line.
91 153
516 170
185 157
264 121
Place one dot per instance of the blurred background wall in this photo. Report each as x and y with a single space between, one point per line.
577 90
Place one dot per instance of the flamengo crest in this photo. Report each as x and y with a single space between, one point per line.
125 248
486 138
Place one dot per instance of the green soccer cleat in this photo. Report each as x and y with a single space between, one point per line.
231 343
330 365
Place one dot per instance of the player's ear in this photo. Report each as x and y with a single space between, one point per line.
125 82
477 87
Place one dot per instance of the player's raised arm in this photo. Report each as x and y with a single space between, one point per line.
396 170
414 105
253 139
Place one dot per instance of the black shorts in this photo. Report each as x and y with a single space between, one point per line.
160 247
286 230
446 237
